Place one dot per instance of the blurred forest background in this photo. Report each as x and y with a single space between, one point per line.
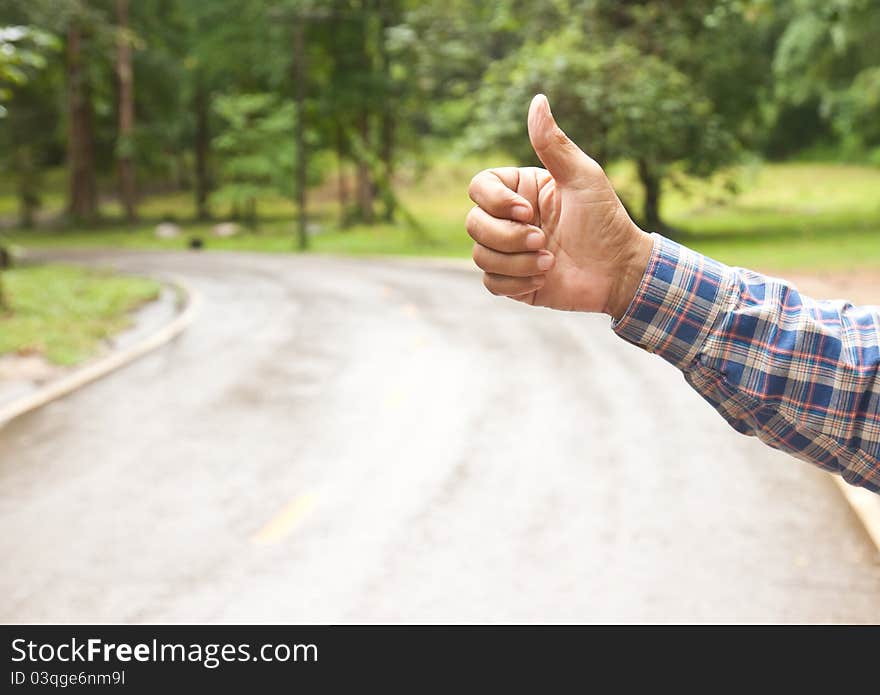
749 128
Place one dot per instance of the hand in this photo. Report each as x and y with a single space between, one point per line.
557 237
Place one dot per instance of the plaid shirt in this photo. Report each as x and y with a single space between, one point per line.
801 375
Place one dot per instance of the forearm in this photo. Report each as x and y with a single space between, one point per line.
800 375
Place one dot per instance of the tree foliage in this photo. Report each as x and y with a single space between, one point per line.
24 51
672 85
829 55
256 153
641 81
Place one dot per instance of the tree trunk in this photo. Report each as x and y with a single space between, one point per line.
203 144
299 84
182 180
28 185
5 262
252 216
365 185
83 187
342 189
364 175
651 181
338 29
386 146
387 154
125 144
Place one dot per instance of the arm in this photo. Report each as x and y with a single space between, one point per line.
801 375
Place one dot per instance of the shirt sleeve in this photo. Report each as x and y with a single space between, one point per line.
801 375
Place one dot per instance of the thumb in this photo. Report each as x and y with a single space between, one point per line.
562 158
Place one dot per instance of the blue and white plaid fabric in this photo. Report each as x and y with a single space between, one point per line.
801 375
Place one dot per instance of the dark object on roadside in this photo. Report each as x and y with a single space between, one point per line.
196 243
5 258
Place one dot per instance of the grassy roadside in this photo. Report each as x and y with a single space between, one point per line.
806 216
64 312
797 217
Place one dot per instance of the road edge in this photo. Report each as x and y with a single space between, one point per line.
866 506
117 359
864 503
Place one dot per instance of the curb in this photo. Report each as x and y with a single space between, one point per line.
104 366
866 506
864 503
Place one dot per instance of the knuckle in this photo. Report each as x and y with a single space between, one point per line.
512 236
508 199
477 254
490 284
475 183
470 222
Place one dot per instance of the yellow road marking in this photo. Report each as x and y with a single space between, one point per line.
280 526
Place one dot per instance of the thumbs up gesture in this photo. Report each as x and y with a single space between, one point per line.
557 237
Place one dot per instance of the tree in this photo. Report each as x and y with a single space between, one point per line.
23 52
299 80
88 131
83 183
125 143
364 101
215 56
828 58
258 154
366 188
617 102
662 84
28 122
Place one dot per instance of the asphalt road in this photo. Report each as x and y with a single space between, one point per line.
342 440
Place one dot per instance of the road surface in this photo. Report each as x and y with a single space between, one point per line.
352 440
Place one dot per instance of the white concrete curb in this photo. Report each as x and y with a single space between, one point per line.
115 360
866 505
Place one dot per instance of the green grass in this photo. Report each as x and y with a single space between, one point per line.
65 312
807 216
785 216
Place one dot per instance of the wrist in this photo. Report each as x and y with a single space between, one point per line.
628 273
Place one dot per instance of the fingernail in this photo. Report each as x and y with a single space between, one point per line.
534 240
522 212
545 260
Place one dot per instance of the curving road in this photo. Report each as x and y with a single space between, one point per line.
341 440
